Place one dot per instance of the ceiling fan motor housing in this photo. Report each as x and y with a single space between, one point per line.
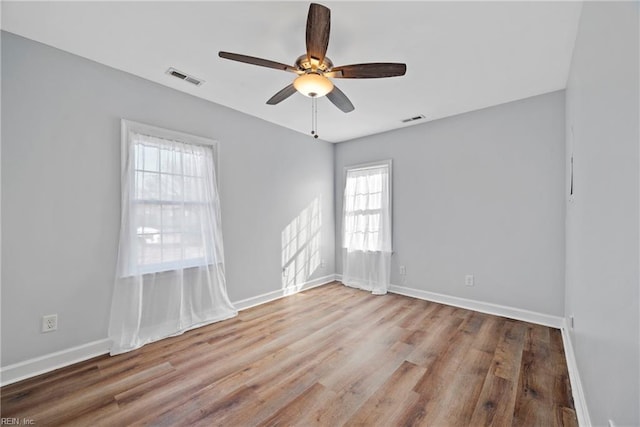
312 64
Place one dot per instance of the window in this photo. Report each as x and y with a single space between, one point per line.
367 214
172 206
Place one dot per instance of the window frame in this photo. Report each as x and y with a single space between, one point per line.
364 166
129 126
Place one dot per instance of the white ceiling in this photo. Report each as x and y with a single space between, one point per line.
460 56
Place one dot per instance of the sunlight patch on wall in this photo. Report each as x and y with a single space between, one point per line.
301 248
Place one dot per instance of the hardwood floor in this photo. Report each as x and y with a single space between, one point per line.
329 356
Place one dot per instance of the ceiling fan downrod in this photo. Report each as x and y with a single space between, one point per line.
314 116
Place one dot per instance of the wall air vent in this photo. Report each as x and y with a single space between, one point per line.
413 119
184 76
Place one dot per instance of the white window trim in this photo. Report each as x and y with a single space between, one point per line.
371 165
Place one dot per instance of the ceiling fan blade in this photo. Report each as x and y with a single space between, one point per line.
373 70
282 95
257 61
340 100
318 27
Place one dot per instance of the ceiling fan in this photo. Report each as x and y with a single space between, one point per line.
314 68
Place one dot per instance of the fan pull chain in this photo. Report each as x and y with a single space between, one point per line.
314 117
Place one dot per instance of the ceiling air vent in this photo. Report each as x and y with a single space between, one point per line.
413 119
184 76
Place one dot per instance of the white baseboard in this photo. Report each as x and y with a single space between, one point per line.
483 307
49 362
274 295
43 364
39 365
577 391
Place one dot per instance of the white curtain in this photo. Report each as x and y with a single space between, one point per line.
366 228
170 273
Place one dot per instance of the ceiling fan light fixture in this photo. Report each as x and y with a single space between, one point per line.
313 85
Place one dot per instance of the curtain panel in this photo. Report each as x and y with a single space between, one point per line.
366 228
170 272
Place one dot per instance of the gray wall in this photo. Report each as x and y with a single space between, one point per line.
479 193
602 220
61 190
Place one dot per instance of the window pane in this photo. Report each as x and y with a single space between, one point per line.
147 219
373 222
149 255
170 212
147 226
171 187
191 218
138 185
150 158
374 201
147 186
360 202
172 218
190 160
199 163
194 189
137 156
363 206
170 161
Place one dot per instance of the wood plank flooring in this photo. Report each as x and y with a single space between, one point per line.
329 356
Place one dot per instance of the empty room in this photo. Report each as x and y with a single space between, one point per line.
369 213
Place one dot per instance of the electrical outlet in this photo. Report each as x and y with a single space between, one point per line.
323 263
403 270
572 322
49 323
468 280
